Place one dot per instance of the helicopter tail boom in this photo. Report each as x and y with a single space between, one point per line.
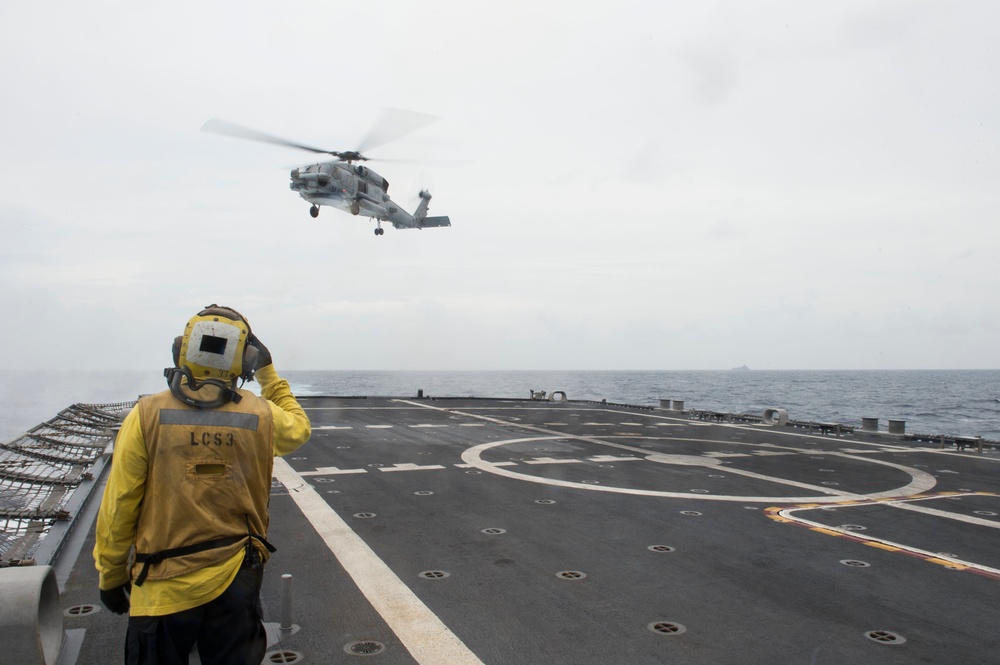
421 220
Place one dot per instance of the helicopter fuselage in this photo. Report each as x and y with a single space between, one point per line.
343 184
358 190
351 188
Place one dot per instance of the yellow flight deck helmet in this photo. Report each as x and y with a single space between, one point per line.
214 350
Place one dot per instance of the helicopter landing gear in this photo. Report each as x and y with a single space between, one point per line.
314 211
355 208
379 231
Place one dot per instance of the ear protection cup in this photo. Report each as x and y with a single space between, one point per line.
250 357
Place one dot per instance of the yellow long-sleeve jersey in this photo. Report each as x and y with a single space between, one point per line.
124 493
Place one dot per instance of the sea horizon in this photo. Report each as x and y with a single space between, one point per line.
938 401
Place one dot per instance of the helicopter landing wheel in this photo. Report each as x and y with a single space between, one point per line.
314 211
355 208
379 231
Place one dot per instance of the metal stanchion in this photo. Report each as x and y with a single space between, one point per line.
286 603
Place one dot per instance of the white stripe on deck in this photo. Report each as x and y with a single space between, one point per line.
424 635
411 467
968 519
331 471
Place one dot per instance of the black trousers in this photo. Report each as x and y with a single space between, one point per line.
227 630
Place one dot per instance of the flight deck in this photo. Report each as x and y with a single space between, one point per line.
504 531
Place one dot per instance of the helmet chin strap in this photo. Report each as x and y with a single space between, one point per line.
226 392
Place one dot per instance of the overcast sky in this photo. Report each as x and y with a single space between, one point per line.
634 185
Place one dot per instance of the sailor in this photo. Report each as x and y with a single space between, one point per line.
188 490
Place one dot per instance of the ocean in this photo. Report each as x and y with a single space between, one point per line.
955 402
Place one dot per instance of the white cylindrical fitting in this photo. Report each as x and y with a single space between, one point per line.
869 424
775 417
897 426
31 626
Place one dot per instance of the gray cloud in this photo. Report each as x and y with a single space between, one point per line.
649 185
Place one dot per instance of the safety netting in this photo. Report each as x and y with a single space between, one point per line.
41 469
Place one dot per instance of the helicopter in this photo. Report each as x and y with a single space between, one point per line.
345 184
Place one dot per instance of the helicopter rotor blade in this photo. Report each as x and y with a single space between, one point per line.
394 124
218 126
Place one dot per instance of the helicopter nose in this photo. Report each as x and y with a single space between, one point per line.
321 179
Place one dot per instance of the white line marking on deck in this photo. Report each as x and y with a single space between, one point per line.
331 471
614 458
551 460
411 467
920 481
968 519
789 514
424 635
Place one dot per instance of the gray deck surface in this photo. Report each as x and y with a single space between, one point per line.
447 524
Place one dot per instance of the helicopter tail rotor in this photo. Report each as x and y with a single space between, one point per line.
420 213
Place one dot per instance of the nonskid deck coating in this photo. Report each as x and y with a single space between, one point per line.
486 531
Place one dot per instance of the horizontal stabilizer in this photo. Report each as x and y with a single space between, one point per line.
435 221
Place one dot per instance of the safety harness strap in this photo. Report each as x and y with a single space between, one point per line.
148 560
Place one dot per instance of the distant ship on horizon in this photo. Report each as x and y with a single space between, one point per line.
740 367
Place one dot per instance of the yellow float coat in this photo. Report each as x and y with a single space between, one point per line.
181 476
